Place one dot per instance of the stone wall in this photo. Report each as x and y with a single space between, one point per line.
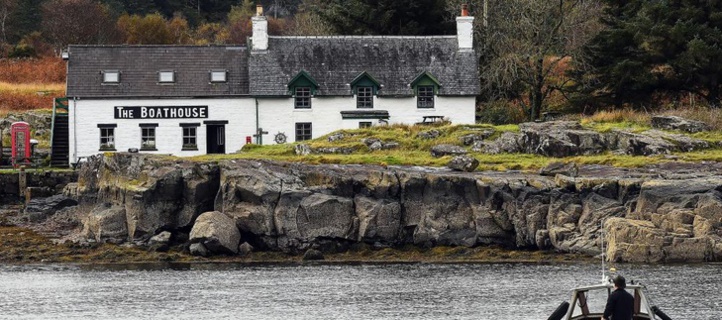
52 182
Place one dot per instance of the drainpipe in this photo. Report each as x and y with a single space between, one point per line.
258 126
75 129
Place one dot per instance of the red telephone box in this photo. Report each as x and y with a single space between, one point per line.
20 136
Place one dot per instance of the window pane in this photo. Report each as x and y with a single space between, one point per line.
107 138
189 138
303 131
364 124
218 76
165 76
364 97
303 97
425 97
147 138
111 76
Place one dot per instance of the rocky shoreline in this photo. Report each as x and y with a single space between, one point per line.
661 214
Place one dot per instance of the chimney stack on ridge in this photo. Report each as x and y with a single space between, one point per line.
465 29
259 40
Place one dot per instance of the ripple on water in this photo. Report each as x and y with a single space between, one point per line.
397 291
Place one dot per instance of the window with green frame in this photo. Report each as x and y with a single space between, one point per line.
302 87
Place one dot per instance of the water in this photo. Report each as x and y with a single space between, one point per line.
398 291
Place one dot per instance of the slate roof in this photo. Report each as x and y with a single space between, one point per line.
334 62
139 66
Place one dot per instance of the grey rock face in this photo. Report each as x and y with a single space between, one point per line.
566 138
217 232
429 135
106 223
39 209
446 149
245 249
463 163
302 149
678 123
668 212
198 249
161 238
472 138
336 137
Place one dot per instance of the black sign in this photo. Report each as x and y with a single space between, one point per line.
161 112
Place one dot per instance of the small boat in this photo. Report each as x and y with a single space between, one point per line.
587 303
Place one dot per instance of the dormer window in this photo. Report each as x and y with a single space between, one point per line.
365 87
218 75
111 76
166 76
302 87
426 87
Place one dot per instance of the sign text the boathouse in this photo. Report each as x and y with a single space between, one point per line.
185 112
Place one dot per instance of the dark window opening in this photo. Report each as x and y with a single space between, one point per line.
364 97
364 124
425 97
303 98
303 131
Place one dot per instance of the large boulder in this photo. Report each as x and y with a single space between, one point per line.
106 223
678 123
217 232
446 149
463 163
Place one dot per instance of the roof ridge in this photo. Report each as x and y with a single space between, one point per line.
156 46
363 37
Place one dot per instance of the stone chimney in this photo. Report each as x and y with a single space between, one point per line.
260 30
464 29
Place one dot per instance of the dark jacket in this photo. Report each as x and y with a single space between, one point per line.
620 305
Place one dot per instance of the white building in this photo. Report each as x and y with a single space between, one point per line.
191 100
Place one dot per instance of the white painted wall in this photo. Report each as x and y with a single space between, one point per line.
278 114
85 115
275 114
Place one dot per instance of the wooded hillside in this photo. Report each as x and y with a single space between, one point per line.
535 56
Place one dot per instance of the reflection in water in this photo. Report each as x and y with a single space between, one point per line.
399 291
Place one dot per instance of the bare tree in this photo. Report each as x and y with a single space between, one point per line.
523 44
6 8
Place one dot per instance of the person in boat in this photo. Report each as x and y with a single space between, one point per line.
620 304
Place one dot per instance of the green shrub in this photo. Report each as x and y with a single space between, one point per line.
22 51
500 112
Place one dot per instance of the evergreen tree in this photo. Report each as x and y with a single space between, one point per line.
651 49
387 17
25 19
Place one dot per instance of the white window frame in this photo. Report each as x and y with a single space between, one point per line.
148 138
163 74
107 134
108 74
219 76
188 136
